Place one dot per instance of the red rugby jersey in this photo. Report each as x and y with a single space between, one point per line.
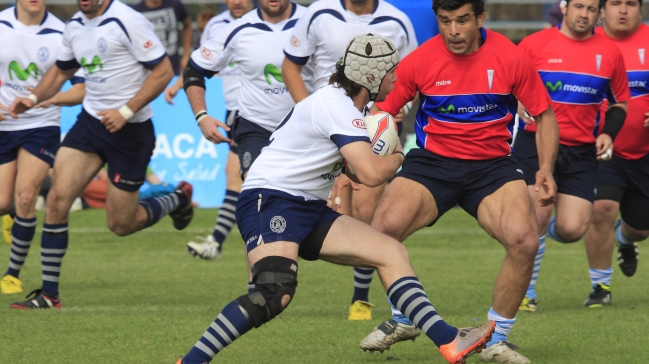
468 103
633 140
579 75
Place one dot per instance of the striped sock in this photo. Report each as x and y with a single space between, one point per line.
251 286
54 244
531 290
157 207
600 276
398 316
225 219
409 297
22 235
619 236
362 282
228 326
503 327
552 231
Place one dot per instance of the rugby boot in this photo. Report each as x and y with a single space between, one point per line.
183 215
600 297
468 340
10 284
360 311
388 333
207 249
39 300
502 352
529 305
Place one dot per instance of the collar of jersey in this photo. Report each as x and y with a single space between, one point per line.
42 21
376 5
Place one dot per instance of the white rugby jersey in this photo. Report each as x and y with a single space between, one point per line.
256 47
115 50
28 52
326 29
230 74
303 157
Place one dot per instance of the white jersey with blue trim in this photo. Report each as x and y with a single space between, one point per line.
230 74
28 52
325 30
115 51
303 156
256 47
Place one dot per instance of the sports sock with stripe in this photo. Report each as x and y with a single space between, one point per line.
54 244
600 276
362 283
531 289
22 234
157 207
503 327
225 219
552 230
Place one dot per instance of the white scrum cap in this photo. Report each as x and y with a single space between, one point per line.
368 58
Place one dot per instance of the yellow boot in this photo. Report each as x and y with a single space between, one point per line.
7 224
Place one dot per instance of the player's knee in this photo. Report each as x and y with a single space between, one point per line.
275 281
120 227
57 206
572 232
604 212
383 223
25 201
525 243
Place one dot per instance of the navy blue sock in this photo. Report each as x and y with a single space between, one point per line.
54 244
157 207
408 295
225 219
228 326
362 282
22 234
251 286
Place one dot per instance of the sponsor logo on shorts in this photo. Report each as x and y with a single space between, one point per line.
43 54
47 153
119 179
519 171
252 239
247 158
295 42
206 53
359 123
278 224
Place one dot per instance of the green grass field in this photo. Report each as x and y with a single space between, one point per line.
143 299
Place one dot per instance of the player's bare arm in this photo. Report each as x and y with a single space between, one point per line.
371 170
194 85
291 74
153 86
171 91
614 121
187 41
73 96
48 87
547 145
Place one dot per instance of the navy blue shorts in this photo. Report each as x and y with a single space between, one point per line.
230 119
265 216
458 182
127 151
42 142
631 175
575 170
251 139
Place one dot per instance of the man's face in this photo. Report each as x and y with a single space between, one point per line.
89 6
622 17
274 8
580 16
238 7
32 6
387 85
460 29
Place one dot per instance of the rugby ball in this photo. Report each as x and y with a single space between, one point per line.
382 131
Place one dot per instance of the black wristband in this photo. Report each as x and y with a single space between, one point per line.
200 115
614 121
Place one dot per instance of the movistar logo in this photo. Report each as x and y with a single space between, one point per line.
92 67
271 70
22 73
557 86
448 109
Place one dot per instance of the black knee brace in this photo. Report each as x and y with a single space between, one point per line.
274 277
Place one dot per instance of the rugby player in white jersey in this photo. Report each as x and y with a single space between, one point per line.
31 38
282 213
210 247
318 38
125 67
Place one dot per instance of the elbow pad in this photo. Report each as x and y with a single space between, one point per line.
614 121
191 77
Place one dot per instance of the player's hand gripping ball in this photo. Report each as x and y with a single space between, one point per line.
383 134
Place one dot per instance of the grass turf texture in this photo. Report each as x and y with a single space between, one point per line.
143 299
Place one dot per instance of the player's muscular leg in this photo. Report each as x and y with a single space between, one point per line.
350 242
600 237
31 173
365 201
123 214
233 180
508 216
406 207
634 234
573 216
7 183
543 213
73 170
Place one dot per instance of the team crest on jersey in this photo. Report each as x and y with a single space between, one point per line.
295 42
598 59
278 224
641 55
490 77
102 45
359 123
206 53
43 54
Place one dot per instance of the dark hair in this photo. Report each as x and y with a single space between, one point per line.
351 88
450 5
